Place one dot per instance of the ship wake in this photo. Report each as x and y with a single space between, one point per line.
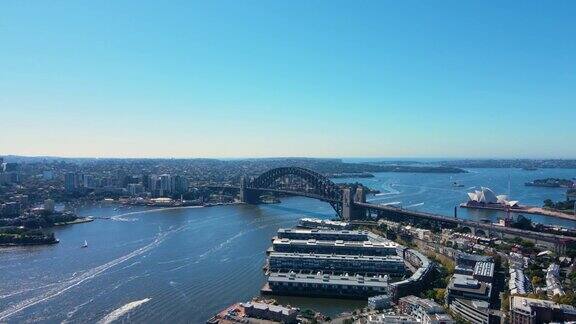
77 280
120 312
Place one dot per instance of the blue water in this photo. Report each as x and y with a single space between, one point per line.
188 262
434 192
183 265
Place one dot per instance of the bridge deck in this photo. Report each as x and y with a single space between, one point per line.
422 215
473 224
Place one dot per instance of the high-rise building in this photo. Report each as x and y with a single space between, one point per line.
71 181
146 181
180 184
88 181
165 184
134 189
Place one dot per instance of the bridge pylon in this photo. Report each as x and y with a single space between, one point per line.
248 195
242 194
351 211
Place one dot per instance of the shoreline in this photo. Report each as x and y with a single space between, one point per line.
5 245
79 220
160 206
532 210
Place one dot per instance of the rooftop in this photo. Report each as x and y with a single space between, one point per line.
366 244
485 269
428 305
474 303
463 269
386 258
272 308
518 282
382 318
320 230
462 257
468 284
440 318
376 281
526 304
322 221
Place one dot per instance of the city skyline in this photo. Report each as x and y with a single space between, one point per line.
288 162
328 79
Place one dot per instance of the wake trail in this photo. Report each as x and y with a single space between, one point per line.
62 287
414 205
118 313
121 217
213 249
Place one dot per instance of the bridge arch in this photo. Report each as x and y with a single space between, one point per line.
321 184
322 187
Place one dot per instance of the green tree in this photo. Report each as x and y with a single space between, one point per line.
536 281
439 295
569 299
505 306
523 223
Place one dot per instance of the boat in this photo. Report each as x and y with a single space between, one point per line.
455 184
85 244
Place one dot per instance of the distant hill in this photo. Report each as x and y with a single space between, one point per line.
512 163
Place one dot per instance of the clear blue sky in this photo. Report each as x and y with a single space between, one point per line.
288 78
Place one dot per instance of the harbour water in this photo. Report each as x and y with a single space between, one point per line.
185 264
435 193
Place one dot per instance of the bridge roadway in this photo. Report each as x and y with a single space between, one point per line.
302 194
488 228
288 192
547 237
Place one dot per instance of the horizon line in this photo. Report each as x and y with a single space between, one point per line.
282 157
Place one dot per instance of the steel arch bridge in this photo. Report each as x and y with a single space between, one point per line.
322 187
350 204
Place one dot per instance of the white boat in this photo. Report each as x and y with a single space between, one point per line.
85 244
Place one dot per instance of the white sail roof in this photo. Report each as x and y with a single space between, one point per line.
487 196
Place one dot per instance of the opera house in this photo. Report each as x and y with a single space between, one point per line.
487 198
